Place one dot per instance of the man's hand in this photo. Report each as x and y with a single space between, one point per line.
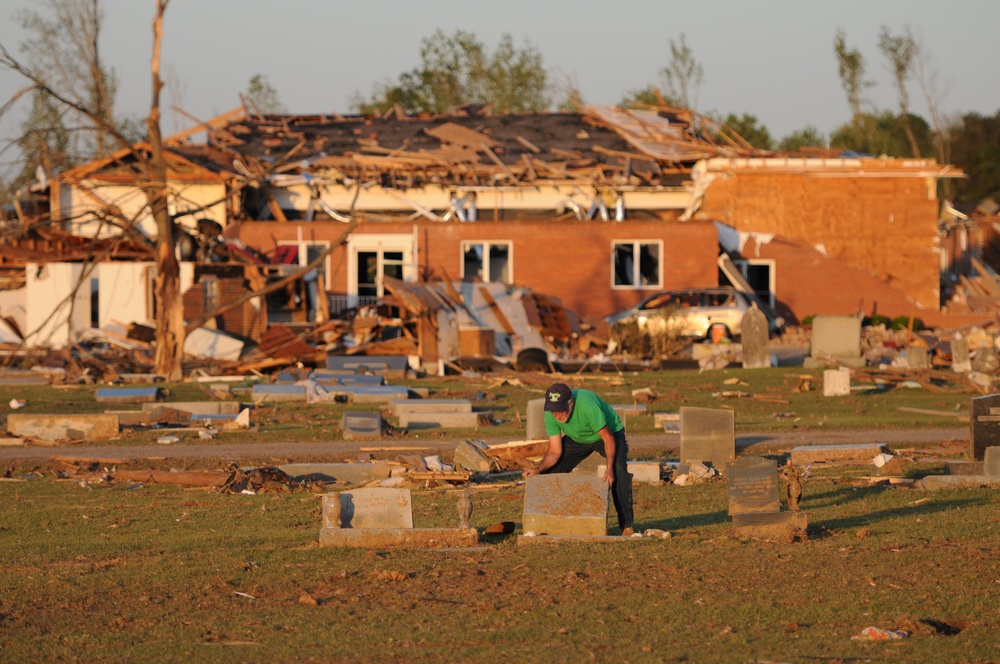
609 475
528 472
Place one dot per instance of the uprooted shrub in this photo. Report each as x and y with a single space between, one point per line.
657 338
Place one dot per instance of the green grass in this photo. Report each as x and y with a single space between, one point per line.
126 573
766 401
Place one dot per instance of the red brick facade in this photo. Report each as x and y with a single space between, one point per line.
571 260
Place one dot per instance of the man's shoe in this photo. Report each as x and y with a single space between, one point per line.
628 532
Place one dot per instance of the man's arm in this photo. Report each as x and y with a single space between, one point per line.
609 454
552 454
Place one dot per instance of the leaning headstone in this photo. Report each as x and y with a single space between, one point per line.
361 425
960 362
836 339
991 462
754 337
536 419
837 382
708 435
565 504
984 420
753 485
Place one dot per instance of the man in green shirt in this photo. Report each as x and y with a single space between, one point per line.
579 423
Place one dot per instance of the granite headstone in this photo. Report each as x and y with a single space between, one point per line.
754 337
565 504
753 485
984 420
708 435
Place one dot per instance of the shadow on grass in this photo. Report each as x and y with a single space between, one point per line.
688 521
860 520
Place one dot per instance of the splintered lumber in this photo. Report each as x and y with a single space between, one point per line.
519 449
443 475
497 311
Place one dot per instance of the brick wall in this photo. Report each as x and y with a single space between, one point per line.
567 259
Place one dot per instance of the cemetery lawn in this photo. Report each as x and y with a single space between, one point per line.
783 399
162 573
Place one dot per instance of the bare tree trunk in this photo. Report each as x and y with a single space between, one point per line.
169 306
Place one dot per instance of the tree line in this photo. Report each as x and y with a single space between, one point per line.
458 69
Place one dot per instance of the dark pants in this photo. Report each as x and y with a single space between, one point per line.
573 453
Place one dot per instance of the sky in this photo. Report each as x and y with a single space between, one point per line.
772 59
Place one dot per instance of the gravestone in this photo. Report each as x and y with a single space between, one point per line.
991 462
361 425
754 337
986 361
918 357
960 362
753 485
837 382
563 504
708 435
984 420
536 419
372 507
835 338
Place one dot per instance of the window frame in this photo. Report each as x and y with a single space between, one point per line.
637 245
464 246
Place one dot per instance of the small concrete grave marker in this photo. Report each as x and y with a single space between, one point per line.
753 485
991 462
984 420
536 419
756 345
565 504
708 435
960 360
837 382
360 425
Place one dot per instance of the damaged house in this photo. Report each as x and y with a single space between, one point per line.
592 210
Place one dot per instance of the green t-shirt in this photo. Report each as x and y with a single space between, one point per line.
590 414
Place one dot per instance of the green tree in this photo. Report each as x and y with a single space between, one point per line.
975 148
63 49
684 75
851 69
459 70
648 96
749 128
884 133
900 51
44 140
807 137
263 97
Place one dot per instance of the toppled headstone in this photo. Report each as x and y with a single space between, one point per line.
708 435
642 472
263 393
407 406
63 427
565 504
128 394
471 455
863 453
782 526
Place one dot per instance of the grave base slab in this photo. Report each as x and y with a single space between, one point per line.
412 538
785 526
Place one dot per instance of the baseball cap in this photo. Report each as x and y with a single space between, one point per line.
557 398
